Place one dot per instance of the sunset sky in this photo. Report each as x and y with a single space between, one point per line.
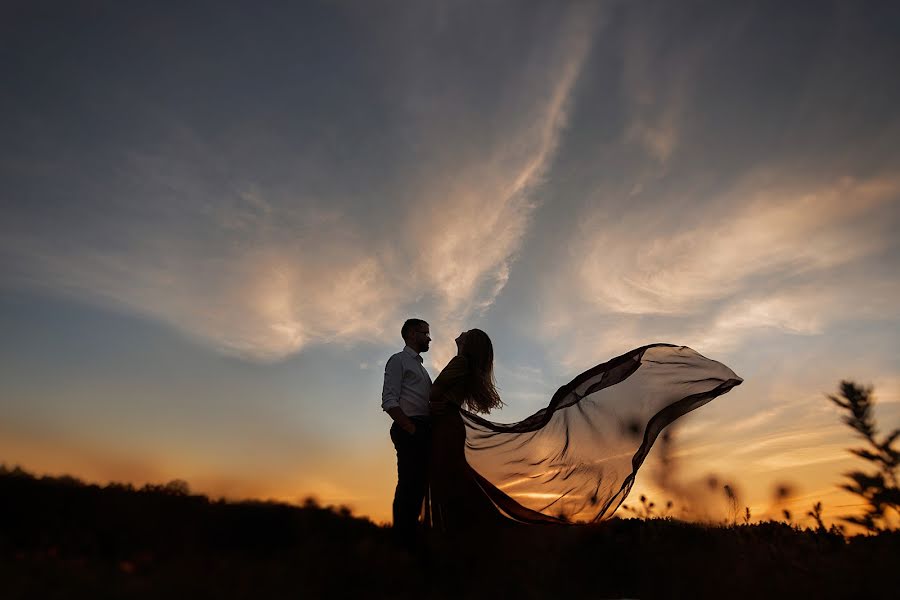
216 217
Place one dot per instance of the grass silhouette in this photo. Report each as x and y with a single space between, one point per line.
63 538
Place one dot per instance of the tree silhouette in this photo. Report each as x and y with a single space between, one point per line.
878 487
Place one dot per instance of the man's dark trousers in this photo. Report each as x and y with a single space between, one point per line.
412 478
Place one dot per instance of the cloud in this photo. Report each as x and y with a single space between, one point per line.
655 107
807 309
262 300
638 267
802 457
660 77
194 235
764 256
755 421
471 227
473 213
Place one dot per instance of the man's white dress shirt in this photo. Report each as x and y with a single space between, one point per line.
406 384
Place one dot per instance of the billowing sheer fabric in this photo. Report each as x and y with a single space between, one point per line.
574 460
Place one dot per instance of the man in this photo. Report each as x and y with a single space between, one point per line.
407 387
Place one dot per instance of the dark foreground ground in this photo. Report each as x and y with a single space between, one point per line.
62 539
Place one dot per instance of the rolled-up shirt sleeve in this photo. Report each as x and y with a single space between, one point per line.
393 378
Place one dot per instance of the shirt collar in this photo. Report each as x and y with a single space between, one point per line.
412 352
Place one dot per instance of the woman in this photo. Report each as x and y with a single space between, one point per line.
572 461
457 498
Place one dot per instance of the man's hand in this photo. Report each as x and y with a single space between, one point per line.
409 428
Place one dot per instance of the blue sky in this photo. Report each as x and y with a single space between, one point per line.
216 217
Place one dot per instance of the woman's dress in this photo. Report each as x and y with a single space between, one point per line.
574 460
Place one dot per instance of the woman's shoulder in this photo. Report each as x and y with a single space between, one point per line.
459 363
456 368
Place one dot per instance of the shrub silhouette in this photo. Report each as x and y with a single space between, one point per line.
878 487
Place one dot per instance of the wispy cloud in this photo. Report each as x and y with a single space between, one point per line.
469 224
655 95
262 270
259 297
762 256
642 267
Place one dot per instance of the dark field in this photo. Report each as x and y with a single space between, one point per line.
60 538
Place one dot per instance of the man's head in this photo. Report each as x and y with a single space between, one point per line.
416 334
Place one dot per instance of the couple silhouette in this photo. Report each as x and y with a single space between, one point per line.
572 461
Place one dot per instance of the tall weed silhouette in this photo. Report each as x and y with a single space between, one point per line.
878 485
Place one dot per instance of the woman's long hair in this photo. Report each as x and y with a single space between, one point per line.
479 352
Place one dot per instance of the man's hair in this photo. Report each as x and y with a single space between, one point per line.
410 325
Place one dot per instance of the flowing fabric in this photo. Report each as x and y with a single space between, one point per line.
573 461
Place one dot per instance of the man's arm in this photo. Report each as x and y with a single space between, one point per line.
402 420
390 394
